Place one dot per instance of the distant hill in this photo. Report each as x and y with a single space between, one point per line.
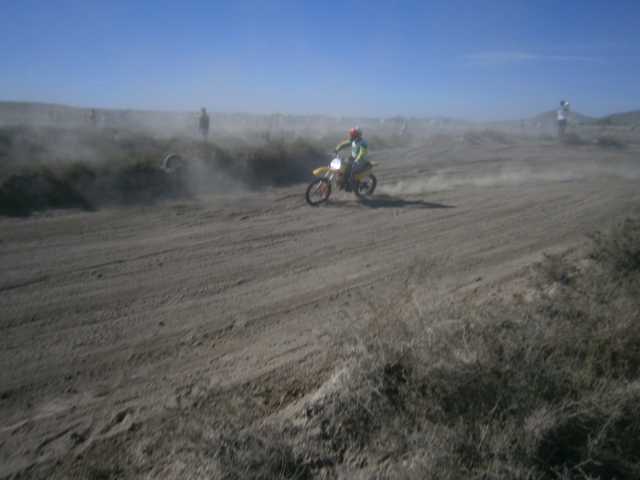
552 116
625 118
34 113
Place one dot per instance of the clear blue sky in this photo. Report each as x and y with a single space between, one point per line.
494 59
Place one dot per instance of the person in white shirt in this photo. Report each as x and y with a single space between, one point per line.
563 111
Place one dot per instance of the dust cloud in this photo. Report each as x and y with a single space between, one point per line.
60 157
445 180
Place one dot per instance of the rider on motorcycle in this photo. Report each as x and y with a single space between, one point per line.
358 158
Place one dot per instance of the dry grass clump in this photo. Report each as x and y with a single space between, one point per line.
610 141
440 139
80 186
475 136
280 163
619 248
389 141
38 190
545 388
571 139
546 137
51 167
23 147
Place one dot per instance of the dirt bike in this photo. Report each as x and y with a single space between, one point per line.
319 189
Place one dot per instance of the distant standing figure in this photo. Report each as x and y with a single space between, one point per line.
93 118
204 123
563 111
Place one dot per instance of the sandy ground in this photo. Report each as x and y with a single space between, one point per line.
109 319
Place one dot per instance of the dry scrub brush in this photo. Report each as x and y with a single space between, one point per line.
541 388
611 141
49 167
571 139
545 386
475 136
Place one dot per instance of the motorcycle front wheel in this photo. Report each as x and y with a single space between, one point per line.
366 186
318 191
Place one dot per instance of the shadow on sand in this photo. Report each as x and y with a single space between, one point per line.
383 201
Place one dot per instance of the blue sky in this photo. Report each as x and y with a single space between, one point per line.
479 60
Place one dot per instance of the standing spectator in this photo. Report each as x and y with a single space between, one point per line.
93 118
204 123
563 111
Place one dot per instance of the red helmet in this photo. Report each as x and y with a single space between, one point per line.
355 132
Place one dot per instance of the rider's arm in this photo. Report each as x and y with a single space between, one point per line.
342 145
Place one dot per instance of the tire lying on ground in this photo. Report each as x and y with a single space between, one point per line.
174 163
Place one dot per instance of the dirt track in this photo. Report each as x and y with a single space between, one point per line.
110 318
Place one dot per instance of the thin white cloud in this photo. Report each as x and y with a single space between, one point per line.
502 58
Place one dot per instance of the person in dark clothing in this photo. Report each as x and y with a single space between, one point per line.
204 123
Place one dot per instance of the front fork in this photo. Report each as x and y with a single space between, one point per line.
332 178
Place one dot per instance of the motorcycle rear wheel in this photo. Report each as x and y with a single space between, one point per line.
318 191
366 186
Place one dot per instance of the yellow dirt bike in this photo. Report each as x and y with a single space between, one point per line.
319 189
